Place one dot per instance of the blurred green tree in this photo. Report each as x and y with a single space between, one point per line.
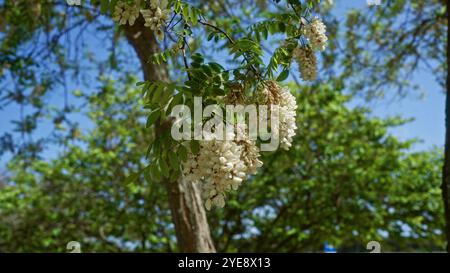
101 191
382 49
346 181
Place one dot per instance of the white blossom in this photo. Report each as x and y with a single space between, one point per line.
315 34
307 63
125 13
156 16
222 166
287 111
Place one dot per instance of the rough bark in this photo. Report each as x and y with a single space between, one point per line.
188 213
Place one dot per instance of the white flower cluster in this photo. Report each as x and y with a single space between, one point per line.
287 106
307 63
305 55
156 16
125 13
222 165
288 113
315 33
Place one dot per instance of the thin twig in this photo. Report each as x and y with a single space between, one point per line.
183 50
218 29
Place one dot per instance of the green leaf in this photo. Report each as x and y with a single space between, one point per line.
173 160
197 58
164 167
132 177
158 93
211 36
193 15
185 12
153 117
149 150
195 146
182 152
174 175
265 33
154 171
147 175
283 75
282 27
104 6
216 67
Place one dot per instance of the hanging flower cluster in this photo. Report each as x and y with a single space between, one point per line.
287 105
155 16
125 13
307 62
315 34
222 165
288 113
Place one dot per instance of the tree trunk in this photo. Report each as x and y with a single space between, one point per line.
186 206
446 170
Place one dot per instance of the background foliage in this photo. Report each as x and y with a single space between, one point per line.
346 181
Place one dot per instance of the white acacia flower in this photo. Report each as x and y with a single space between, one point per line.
125 13
222 166
286 116
315 34
288 113
307 63
156 16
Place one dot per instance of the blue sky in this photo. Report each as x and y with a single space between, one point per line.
427 110
426 106
428 114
